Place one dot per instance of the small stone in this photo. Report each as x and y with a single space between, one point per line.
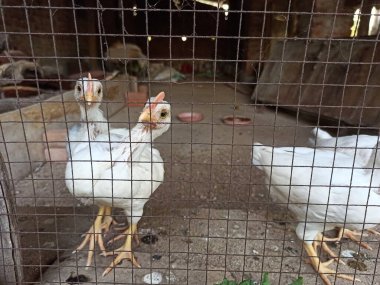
348 253
275 248
156 257
236 226
255 252
291 250
360 256
175 263
153 278
48 244
149 239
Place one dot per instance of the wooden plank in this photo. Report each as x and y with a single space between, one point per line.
10 256
336 80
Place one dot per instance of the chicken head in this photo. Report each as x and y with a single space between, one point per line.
88 90
156 116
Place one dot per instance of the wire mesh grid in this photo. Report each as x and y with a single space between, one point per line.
224 206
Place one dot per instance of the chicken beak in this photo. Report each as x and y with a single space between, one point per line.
147 119
89 95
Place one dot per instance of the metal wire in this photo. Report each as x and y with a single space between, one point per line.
215 214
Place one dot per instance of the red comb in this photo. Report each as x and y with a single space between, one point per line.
89 88
159 98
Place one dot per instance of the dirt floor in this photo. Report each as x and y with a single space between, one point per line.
212 215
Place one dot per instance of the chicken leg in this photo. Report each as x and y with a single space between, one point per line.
322 267
372 231
352 236
94 234
320 240
107 219
345 233
123 235
124 252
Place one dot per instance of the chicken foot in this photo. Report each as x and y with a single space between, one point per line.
322 267
352 235
123 235
107 219
320 240
94 235
124 252
372 231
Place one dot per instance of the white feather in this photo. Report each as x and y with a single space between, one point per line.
121 174
360 146
324 189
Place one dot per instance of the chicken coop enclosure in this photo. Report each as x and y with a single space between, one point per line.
189 142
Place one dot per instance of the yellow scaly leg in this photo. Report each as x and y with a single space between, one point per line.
124 252
322 267
108 220
93 236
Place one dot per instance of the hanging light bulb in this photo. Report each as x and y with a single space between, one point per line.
226 7
184 38
134 9
149 38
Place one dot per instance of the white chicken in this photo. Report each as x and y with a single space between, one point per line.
324 190
360 146
88 92
122 174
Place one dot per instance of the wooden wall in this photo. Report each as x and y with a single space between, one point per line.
338 79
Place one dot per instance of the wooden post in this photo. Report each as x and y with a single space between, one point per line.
10 256
92 28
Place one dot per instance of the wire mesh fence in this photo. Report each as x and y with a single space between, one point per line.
175 142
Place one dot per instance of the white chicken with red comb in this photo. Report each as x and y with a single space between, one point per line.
123 174
88 92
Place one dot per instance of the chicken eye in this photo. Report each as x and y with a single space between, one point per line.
163 114
79 89
99 90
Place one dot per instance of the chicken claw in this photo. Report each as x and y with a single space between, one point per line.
321 240
352 236
123 235
322 267
124 252
372 231
93 235
108 220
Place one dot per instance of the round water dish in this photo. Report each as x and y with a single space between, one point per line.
190 117
237 120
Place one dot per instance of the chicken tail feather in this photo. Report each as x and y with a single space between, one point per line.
317 135
257 158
